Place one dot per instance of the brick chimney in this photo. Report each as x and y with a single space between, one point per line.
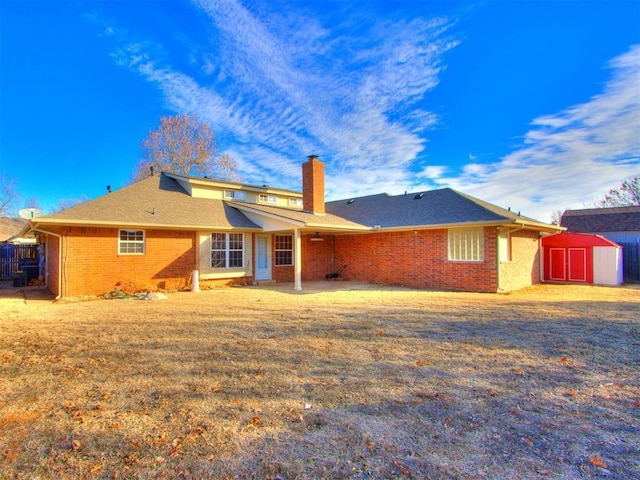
313 185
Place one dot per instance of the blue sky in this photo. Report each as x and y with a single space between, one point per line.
533 105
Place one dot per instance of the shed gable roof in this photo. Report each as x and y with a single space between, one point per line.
570 239
598 220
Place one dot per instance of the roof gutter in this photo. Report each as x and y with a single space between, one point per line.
62 222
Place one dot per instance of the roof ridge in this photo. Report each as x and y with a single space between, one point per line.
601 210
390 195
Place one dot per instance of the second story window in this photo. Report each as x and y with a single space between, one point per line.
295 202
233 195
264 198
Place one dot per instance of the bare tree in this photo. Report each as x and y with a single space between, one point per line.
628 194
8 196
228 168
556 217
184 145
32 202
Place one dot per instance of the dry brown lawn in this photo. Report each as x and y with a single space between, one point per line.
340 381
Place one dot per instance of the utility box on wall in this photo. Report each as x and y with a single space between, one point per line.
581 258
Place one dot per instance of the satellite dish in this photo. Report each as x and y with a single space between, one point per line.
31 212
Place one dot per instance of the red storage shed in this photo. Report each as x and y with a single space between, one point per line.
581 258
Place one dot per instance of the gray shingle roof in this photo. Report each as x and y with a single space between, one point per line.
160 202
157 201
436 207
597 220
308 219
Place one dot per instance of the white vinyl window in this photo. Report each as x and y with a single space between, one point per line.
234 195
466 244
264 198
131 242
295 202
283 250
227 250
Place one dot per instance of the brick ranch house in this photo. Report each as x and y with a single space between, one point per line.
154 233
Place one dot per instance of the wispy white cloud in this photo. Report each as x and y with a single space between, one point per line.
569 158
350 88
281 88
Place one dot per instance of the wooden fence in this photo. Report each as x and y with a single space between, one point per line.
10 257
631 262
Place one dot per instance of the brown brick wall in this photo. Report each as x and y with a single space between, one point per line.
318 258
523 270
92 265
415 259
313 185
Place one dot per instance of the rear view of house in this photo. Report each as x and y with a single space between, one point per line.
156 232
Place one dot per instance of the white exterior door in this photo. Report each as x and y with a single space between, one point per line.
263 257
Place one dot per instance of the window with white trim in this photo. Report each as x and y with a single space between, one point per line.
283 250
264 198
227 250
234 195
295 202
466 244
131 242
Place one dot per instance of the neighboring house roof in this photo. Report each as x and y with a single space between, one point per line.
11 227
443 207
598 220
157 201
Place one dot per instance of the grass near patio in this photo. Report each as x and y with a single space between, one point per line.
362 382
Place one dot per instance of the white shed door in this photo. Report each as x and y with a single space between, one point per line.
607 266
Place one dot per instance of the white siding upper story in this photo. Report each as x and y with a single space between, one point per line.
216 190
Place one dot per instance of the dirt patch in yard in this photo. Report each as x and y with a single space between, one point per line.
338 381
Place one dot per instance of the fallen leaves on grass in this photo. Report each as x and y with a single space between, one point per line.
401 467
255 421
597 461
469 381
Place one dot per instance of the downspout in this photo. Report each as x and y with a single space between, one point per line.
59 259
297 284
498 259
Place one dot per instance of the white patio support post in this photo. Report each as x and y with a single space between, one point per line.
195 281
297 264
